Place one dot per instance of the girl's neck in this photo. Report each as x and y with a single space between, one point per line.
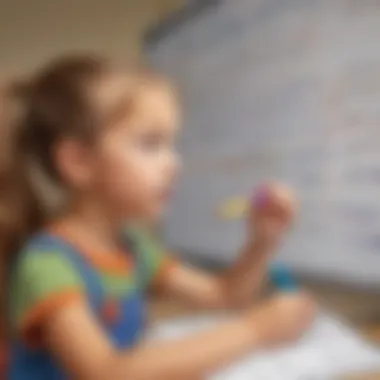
91 225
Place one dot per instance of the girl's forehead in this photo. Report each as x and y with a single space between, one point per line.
136 102
156 98
156 105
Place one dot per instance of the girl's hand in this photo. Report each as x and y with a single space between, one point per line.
284 318
272 213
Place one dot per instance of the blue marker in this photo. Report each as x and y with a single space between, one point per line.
282 278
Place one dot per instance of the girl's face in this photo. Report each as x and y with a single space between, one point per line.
135 163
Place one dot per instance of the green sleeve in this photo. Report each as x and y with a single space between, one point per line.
41 282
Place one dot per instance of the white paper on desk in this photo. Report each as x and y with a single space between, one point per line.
328 350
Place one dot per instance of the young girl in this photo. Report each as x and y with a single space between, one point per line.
79 271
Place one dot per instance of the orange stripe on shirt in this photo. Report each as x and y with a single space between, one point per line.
31 323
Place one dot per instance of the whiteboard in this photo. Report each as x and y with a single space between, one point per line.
284 89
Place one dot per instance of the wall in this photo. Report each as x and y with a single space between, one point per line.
32 31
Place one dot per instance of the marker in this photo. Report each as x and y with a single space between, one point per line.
282 278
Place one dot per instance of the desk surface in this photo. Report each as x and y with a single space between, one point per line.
360 309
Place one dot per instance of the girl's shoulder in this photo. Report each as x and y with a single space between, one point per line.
42 280
44 252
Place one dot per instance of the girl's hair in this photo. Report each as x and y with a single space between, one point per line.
72 97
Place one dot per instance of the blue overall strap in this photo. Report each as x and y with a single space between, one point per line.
95 291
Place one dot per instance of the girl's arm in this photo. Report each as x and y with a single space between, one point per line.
79 344
232 288
239 283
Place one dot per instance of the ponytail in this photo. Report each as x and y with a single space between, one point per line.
20 211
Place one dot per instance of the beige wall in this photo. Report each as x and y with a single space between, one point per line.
32 31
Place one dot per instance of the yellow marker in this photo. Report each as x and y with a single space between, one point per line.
234 208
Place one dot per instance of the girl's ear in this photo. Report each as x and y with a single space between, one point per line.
74 163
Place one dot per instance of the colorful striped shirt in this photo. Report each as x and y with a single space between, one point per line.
45 281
